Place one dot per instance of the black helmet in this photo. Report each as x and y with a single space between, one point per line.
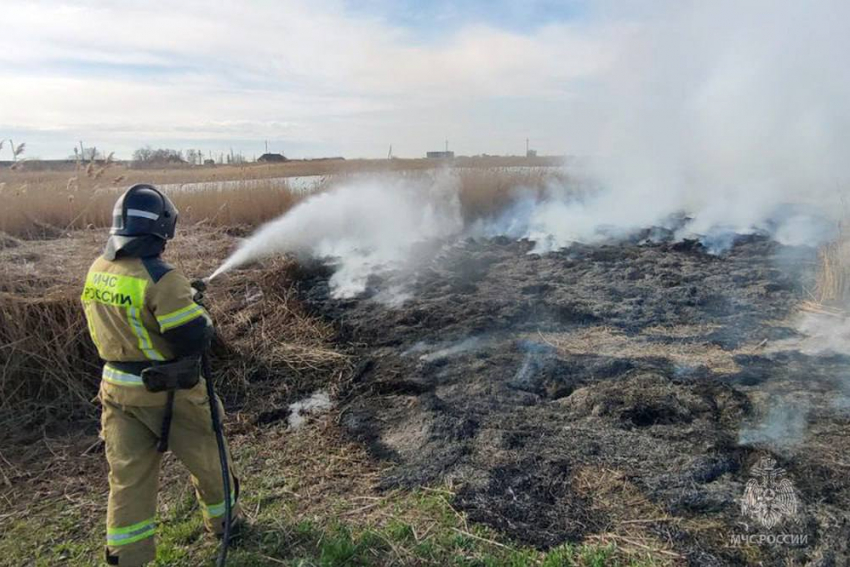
143 210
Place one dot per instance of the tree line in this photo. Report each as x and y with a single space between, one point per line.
150 156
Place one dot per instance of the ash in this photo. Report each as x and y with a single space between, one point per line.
603 388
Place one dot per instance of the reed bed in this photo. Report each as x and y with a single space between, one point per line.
47 204
268 351
48 367
41 210
832 284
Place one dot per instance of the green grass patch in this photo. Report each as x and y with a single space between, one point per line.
318 513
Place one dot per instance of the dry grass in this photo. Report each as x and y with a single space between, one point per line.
832 286
486 192
678 348
634 516
40 208
48 366
37 204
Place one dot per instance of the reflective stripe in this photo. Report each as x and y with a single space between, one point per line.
145 344
114 376
143 214
217 510
180 317
117 537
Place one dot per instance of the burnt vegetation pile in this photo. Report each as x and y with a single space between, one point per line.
486 378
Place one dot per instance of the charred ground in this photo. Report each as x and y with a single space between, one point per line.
601 392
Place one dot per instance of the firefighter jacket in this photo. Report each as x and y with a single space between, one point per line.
140 311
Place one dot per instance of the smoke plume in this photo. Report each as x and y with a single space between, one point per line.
725 111
713 119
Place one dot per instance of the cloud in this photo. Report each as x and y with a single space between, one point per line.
309 72
658 84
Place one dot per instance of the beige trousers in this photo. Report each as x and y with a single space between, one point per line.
131 434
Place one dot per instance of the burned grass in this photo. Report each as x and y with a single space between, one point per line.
648 368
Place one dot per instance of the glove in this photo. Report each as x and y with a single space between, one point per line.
199 286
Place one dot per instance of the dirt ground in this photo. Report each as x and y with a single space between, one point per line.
617 393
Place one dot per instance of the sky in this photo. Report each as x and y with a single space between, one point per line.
313 78
661 85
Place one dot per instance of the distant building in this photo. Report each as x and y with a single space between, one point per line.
530 153
440 155
272 158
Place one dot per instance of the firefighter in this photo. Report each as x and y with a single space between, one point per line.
143 320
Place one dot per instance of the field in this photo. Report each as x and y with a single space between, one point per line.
598 405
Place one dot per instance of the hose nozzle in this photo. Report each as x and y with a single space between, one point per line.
200 287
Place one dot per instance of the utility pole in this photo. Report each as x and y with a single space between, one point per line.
447 145
390 153
267 146
526 146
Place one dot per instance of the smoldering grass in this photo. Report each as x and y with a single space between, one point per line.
783 426
269 347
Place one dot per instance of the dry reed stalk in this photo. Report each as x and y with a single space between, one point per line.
269 350
832 284
249 200
78 203
47 362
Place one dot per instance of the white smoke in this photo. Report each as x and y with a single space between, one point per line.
733 114
784 425
722 110
469 344
365 226
318 402
822 334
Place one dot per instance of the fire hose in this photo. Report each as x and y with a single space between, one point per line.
184 374
206 369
